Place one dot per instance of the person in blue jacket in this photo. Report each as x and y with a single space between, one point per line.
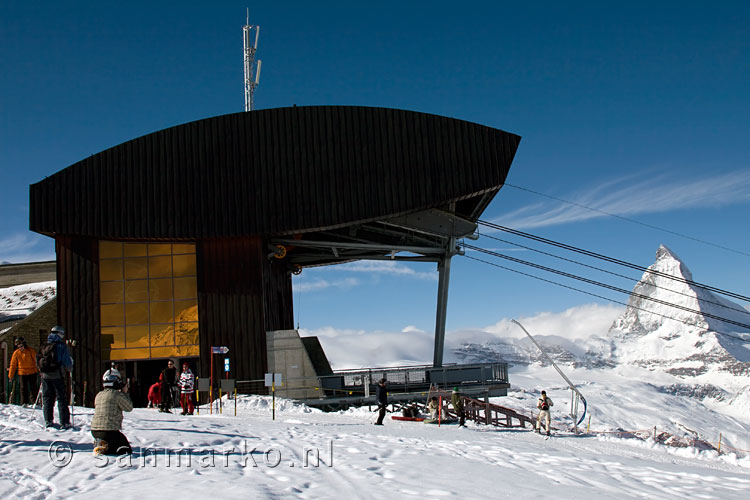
55 363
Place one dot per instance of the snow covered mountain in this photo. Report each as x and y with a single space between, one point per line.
670 323
690 343
693 359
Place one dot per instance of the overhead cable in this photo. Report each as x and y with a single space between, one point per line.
744 311
605 285
598 296
612 260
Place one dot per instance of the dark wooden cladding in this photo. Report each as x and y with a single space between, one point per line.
78 310
277 290
233 277
274 171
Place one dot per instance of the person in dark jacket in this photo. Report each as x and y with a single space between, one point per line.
53 382
168 383
458 405
381 396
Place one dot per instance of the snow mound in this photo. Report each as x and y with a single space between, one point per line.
255 403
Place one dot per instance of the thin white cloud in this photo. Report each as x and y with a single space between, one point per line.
411 328
321 284
26 247
385 267
627 198
579 322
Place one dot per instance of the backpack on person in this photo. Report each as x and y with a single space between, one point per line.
46 358
545 405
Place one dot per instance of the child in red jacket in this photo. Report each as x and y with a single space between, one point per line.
154 394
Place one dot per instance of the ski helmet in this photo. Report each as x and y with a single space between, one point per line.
112 379
20 341
58 330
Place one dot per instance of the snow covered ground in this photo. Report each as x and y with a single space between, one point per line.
683 380
255 457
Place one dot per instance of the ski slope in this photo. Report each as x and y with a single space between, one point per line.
357 459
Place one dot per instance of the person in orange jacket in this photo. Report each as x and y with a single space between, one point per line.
23 361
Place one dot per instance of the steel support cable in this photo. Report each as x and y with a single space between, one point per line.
611 259
596 295
629 220
605 285
744 311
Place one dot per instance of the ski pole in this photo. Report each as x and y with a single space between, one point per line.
72 400
12 391
36 402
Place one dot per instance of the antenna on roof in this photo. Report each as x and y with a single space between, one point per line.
250 48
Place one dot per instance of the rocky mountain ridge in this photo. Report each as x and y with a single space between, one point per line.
708 356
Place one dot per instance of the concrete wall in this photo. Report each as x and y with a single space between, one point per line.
31 272
287 355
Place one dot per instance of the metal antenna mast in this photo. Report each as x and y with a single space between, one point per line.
250 48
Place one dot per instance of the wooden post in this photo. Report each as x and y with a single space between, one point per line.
235 401
588 427
654 433
440 410
719 450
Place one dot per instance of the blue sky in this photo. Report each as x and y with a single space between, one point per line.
639 110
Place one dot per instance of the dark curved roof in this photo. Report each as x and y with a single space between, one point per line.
276 171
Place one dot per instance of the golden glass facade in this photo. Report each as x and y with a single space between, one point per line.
148 298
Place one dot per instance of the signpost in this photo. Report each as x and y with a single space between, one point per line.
203 386
228 386
215 350
271 380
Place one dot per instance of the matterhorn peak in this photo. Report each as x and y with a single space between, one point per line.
665 253
671 320
668 262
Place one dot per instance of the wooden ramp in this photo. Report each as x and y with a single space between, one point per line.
492 414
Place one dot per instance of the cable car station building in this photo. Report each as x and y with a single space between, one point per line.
187 238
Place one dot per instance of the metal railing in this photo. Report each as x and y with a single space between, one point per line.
359 384
408 378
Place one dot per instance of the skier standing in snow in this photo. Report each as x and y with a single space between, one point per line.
434 407
458 405
107 421
24 362
168 382
381 396
543 405
54 363
187 388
